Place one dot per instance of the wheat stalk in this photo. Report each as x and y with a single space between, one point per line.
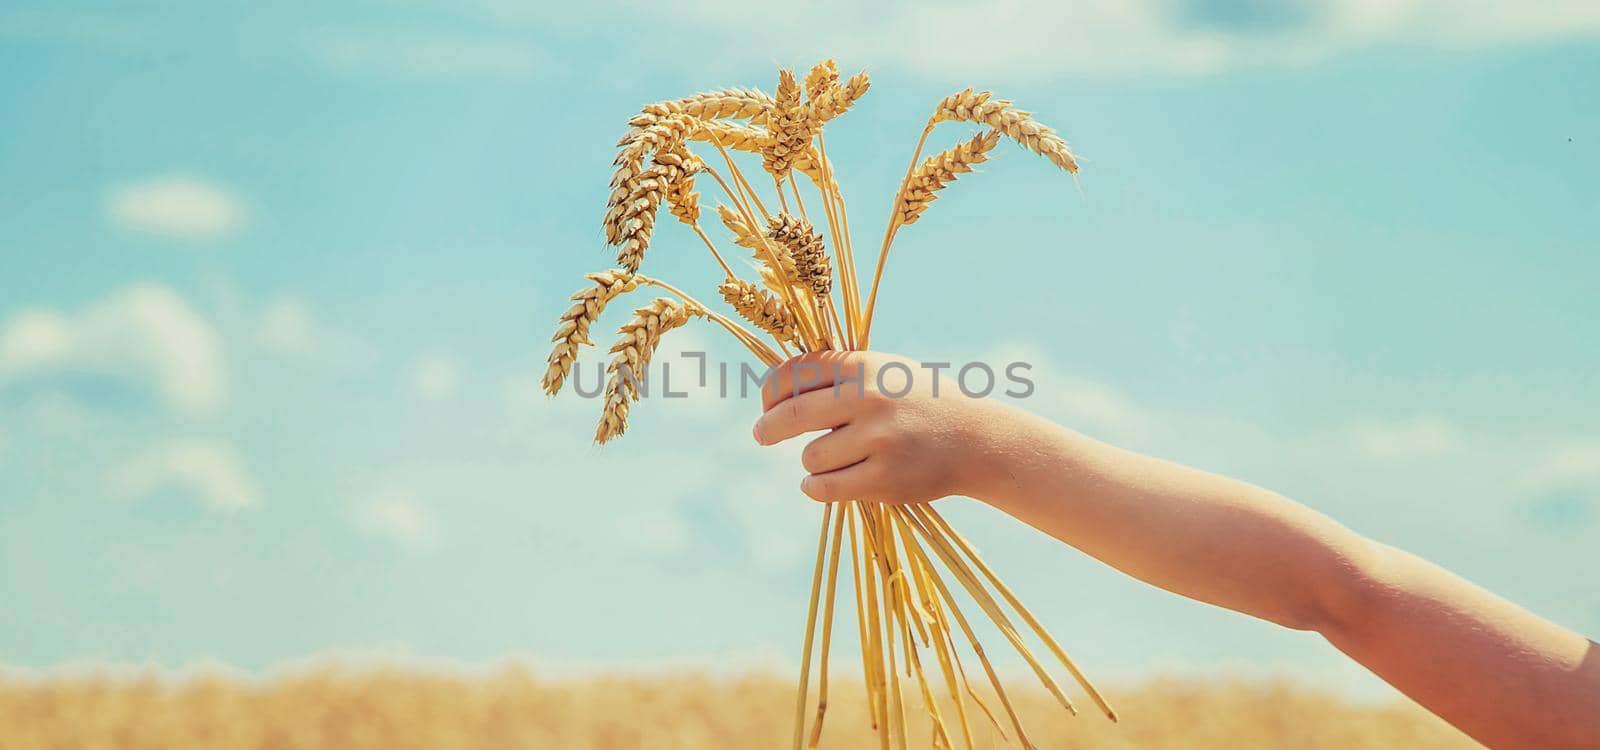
904 607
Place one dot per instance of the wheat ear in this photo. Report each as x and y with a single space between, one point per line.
1000 114
837 100
788 131
940 170
739 103
635 217
662 136
760 308
572 331
635 346
805 246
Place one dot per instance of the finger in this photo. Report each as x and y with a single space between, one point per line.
853 482
808 412
809 372
835 450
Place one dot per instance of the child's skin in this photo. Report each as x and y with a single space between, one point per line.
1501 674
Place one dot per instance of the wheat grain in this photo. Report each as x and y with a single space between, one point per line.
822 78
572 331
1019 125
681 198
805 246
788 129
837 100
635 346
760 308
940 170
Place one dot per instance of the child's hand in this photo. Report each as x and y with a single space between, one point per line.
883 446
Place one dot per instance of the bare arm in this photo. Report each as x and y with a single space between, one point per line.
1496 671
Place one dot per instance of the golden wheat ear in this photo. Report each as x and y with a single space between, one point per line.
572 330
838 99
982 108
940 170
760 308
804 244
788 128
636 344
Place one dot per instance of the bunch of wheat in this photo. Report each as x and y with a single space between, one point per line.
905 610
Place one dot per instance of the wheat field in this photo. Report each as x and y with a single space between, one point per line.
355 709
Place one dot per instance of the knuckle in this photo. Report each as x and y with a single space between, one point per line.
812 456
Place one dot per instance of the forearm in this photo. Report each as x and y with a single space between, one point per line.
1498 672
1204 536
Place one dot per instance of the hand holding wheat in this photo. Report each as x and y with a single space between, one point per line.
905 611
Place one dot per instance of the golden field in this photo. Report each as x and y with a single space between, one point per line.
354 709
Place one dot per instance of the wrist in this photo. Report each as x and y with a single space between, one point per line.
999 451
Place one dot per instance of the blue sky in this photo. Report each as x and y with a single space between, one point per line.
277 281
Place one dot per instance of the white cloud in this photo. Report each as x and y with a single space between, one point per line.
144 333
1572 461
1080 403
435 377
177 206
287 326
424 54
1412 438
396 515
210 470
652 531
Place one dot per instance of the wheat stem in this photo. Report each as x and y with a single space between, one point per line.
811 631
827 627
713 248
888 236
867 672
1044 635
983 658
952 561
833 203
750 340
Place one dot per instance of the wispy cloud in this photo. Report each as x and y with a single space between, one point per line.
434 377
1019 39
1406 438
183 207
145 333
397 515
208 469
